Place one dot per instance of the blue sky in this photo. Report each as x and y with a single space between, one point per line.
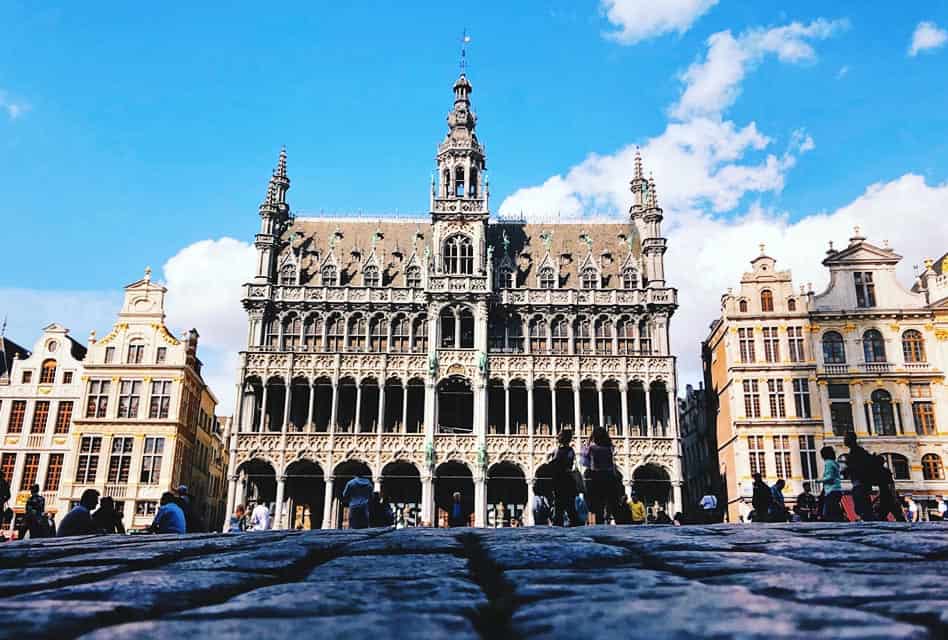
129 135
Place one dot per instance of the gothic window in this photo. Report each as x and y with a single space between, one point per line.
378 334
271 333
472 188
357 333
560 335
630 279
873 346
497 332
834 351
913 346
459 254
448 329
583 336
467 328
603 329
625 336
413 277
590 278
400 335
538 342
335 333
898 465
865 289
420 333
312 333
446 183
370 276
932 468
645 338
288 273
883 417
48 372
292 325
506 278
459 182
742 306
766 300
547 278
329 276
791 305
515 334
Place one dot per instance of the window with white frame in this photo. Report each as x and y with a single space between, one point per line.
160 400
757 457
795 344
801 397
782 457
87 461
130 392
751 398
778 407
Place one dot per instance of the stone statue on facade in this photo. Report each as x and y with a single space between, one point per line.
433 365
482 362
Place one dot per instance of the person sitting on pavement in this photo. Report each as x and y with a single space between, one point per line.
237 523
357 493
805 506
778 509
106 519
170 517
259 518
78 522
942 509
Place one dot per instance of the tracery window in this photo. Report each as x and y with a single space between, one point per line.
329 276
378 335
313 332
630 279
538 337
420 335
357 333
335 333
645 337
560 336
413 277
370 276
400 335
590 278
506 278
582 336
292 326
547 278
288 274
459 254
625 335
603 328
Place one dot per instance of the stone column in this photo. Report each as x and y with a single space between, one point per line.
676 493
231 500
404 407
278 509
430 417
602 417
358 413
826 412
286 406
507 407
553 423
427 499
859 411
381 417
480 499
457 328
530 408
310 421
624 399
263 408
327 504
528 509
334 406
648 410
577 406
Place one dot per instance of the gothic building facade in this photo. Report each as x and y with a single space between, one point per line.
443 353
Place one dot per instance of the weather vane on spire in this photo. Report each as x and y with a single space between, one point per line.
465 39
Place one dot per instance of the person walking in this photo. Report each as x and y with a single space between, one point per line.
866 470
760 499
600 491
832 487
237 521
709 508
457 514
78 522
106 519
541 510
805 506
170 516
357 493
637 508
564 484
259 518
191 516
778 508
34 518
914 513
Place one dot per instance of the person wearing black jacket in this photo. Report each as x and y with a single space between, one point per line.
760 499
106 519
564 484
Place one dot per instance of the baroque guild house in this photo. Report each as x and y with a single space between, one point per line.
443 353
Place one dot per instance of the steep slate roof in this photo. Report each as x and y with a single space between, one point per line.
400 238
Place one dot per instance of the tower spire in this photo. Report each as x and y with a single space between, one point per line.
639 187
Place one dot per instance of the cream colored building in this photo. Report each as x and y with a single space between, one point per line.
145 412
762 372
39 397
872 360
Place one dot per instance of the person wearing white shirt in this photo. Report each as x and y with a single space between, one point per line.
260 518
942 508
709 505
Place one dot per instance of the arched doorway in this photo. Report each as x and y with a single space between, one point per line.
506 494
344 472
455 405
305 493
543 482
401 488
453 477
653 484
257 484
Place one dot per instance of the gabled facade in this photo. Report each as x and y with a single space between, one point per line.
39 398
443 352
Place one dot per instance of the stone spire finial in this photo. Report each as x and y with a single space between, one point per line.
637 174
857 235
280 171
652 192
928 264
147 274
763 248
831 250
92 336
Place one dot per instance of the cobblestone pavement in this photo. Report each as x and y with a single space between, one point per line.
750 581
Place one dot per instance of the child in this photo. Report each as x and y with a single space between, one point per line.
832 486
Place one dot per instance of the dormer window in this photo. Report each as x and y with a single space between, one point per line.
288 274
589 278
547 278
413 277
370 276
766 300
791 305
865 289
329 276
506 279
630 279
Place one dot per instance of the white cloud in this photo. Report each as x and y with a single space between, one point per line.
643 19
706 255
927 36
14 108
713 84
27 311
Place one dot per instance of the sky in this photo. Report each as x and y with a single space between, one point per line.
133 137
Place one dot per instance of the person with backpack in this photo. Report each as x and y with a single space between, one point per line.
564 484
541 510
865 470
601 487
760 499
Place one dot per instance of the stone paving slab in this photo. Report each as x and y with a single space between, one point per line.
753 581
